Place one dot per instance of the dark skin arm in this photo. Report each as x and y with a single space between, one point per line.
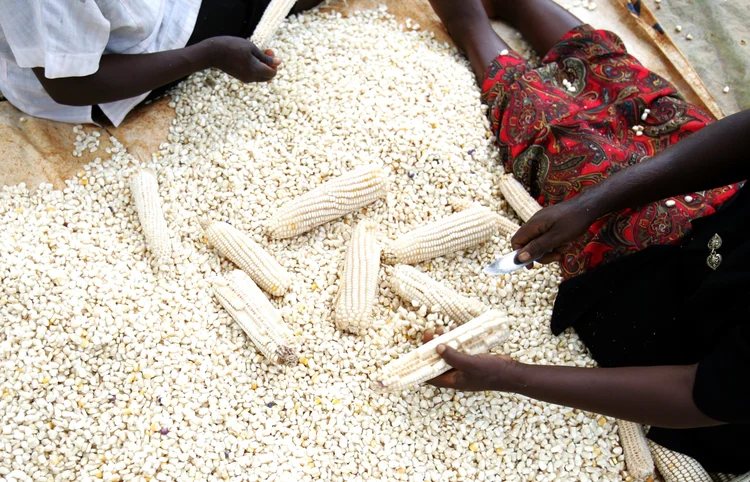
659 396
714 156
124 76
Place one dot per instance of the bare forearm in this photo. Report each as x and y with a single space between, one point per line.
124 76
714 156
660 396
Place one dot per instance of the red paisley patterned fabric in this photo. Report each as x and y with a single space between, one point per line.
559 142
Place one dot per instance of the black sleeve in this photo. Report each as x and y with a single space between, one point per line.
722 381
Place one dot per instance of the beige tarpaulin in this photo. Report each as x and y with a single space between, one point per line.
36 151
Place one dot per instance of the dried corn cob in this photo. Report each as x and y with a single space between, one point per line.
722 478
742 478
453 233
414 286
145 189
477 336
270 22
331 200
677 467
519 199
249 307
250 256
359 283
634 443
507 227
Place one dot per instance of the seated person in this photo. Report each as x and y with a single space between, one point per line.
58 58
644 215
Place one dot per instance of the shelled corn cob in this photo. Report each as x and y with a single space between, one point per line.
359 282
249 307
677 467
270 22
331 200
518 197
634 443
458 231
477 336
235 245
145 190
414 286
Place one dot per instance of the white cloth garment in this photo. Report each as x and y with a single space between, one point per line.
68 38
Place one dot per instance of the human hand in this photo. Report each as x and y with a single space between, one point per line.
551 229
477 372
241 59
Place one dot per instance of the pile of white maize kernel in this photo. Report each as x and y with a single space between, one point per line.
113 370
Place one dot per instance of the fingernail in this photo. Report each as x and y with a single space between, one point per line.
276 61
523 257
440 349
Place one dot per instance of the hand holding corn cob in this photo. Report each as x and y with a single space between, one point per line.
478 372
424 363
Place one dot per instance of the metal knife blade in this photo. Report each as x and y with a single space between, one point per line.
506 264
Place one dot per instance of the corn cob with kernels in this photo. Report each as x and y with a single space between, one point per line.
458 231
477 336
634 443
519 198
416 287
249 307
248 255
677 467
331 200
359 282
145 190
269 23
742 478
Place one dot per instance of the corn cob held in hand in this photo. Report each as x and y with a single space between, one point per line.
677 467
518 197
458 231
145 190
634 443
249 307
269 23
477 336
248 255
331 200
414 286
359 282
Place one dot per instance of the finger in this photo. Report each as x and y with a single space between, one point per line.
427 336
265 57
535 249
265 72
446 380
276 60
456 359
553 257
